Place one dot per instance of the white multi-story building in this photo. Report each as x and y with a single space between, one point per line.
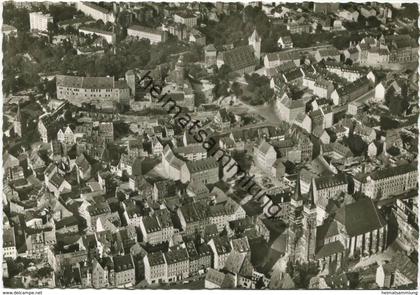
101 90
178 266
265 156
158 228
95 11
155 268
141 32
390 181
39 21
174 167
109 37
186 19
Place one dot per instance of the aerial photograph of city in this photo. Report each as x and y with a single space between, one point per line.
210 145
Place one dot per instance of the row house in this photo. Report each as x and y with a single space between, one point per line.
275 59
346 72
221 249
351 91
406 214
67 136
204 171
200 257
177 265
155 268
193 217
124 271
103 272
158 228
298 28
327 53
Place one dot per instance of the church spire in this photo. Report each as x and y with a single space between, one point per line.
18 114
255 41
297 196
310 204
17 123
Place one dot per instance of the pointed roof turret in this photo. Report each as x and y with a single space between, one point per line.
255 36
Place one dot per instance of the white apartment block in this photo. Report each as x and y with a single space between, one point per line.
39 21
188 20
109 37
141 32
95 11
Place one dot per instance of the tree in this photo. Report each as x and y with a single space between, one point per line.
221 89
302 273
236 89
356 145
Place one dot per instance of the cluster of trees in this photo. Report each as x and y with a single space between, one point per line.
259 89
356 144
397 104
237 27
301 273
17 17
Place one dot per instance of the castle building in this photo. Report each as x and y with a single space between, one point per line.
99 90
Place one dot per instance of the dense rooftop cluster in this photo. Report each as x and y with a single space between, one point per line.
210 145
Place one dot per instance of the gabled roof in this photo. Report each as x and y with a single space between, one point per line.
238 263
215 277
360 217
264 147
240 57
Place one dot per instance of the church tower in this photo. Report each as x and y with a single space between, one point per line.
295 222
179 72
255 42
17 123
309 226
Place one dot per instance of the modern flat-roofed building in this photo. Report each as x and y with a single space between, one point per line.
95 11
109 37
39 21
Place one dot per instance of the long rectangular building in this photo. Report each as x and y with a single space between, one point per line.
95 11
390 181
109 37
92 89
141 32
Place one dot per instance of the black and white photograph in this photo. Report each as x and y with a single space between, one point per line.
210 145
